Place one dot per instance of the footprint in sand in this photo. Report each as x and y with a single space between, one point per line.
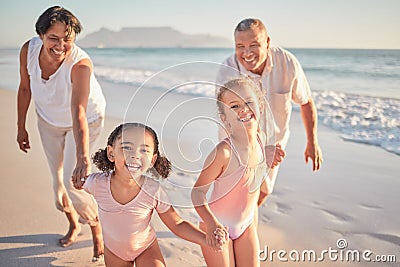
165 249
265 219
197 253
316 204
337 217
369 206
283 208
390 238
340 233
187 250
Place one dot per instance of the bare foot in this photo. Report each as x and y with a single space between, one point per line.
70 237
98 244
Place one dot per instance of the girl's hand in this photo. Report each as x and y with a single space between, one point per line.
214 231
274 155
222 236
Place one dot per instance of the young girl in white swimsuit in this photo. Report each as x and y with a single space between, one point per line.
127 196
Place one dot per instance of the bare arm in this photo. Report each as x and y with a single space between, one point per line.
214 166
186 230
310 121
80 76
23 100
182 228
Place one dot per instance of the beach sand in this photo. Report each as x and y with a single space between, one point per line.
353 197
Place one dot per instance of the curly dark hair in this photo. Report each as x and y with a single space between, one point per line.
162 166
60 14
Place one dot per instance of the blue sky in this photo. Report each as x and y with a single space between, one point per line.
291 23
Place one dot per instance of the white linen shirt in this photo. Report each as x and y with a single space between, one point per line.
282 80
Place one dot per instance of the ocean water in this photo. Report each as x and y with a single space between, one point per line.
357 92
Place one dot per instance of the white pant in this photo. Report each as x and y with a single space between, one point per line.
270 181
59 146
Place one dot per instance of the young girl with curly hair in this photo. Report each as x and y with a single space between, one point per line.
127 191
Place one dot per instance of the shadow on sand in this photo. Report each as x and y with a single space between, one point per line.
34 250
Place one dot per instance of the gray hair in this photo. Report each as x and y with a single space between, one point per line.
249 24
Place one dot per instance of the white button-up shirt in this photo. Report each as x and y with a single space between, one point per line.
283 81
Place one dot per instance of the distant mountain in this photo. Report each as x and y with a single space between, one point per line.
150 37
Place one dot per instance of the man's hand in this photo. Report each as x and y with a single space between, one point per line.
313 151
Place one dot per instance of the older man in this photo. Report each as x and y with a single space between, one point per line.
283 81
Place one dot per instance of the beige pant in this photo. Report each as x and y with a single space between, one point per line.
270 181
59 146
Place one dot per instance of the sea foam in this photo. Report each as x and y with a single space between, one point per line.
362 119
